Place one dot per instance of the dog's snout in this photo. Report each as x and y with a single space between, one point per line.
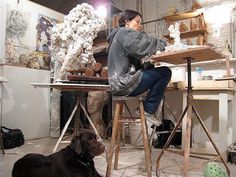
102 146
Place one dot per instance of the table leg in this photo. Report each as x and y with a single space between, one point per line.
184 122
223 121
65 127
188 136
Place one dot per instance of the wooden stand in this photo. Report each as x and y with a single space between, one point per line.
198 54
189 110
79 88
66 126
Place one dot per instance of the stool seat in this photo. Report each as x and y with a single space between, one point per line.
116 133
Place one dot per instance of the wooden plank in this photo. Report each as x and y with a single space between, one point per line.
187 34
226 78
181 16
77 87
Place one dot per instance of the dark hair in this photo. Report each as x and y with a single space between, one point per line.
127 16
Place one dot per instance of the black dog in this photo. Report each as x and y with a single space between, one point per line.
76 160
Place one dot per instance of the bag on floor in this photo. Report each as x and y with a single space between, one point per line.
12 137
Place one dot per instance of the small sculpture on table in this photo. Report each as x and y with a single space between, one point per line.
189 41
183 27
200 40
193 25
201 22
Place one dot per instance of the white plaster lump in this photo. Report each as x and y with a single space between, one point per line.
175 34
178 45
72 40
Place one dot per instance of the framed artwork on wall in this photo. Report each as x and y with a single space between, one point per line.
17 35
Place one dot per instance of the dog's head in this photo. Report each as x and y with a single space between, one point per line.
86 142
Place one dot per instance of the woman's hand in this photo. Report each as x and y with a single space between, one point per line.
147 65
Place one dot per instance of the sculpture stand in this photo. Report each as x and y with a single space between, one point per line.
189 109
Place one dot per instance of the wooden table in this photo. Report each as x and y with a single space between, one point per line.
198 54
74 87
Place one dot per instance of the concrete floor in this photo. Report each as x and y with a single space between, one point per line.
131 162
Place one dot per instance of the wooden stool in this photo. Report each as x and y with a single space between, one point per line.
116 134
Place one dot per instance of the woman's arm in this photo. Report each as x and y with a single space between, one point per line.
139 44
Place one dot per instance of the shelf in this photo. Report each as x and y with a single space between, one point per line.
187 34
100 49
182 16
101 37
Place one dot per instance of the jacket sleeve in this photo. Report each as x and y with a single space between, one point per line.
139 44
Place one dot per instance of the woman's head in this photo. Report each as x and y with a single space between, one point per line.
131 19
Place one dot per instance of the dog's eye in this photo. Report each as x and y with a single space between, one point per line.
90 139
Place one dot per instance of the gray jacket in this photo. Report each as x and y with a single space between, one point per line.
127 47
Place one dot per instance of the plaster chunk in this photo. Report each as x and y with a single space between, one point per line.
175 34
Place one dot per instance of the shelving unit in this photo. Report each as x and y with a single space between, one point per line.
190 34
200 30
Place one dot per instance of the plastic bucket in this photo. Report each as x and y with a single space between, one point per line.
180 74
136 137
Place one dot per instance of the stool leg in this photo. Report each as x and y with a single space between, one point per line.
145 141
1 141
118 112
117 150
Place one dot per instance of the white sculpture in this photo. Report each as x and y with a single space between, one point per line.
175 34
72 40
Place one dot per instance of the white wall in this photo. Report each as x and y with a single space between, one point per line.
24 106
30 8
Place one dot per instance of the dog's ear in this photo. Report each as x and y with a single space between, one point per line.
76 144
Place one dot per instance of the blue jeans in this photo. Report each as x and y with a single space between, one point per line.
155 80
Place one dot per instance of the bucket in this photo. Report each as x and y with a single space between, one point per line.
178 74
136 137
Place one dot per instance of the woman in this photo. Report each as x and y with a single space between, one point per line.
128 47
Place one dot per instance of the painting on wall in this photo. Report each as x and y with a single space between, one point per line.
43 39
17 35
43 27
18 43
